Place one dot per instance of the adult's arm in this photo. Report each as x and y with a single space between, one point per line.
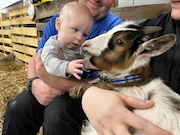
54 81
108 113
43 92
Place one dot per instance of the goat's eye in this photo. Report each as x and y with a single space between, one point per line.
119 42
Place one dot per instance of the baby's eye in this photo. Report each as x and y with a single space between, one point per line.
85 35
75 29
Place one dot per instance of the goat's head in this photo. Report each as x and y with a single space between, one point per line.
126 47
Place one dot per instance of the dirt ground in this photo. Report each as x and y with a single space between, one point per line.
12 81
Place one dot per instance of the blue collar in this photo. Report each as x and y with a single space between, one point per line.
95 74
126 79
90 74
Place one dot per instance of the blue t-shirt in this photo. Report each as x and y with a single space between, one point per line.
104 25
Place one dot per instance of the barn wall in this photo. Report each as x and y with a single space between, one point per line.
127 3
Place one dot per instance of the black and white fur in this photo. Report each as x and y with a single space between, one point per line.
126 51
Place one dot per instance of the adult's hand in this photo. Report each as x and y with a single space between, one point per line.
108 114
44 93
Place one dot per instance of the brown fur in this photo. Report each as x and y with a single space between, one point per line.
126 51
119 58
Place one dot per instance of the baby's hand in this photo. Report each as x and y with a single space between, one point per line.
74 68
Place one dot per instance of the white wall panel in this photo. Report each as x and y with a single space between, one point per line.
14 6
147 2
126 3
6 3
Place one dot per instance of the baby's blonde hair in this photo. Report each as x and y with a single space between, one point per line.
77 6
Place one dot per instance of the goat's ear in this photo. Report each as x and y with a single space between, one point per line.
156 46
151 29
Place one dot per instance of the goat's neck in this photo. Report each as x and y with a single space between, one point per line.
142 72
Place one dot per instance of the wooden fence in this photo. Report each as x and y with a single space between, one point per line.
18 34
23 33
5 35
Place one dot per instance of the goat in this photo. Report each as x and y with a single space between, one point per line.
123 55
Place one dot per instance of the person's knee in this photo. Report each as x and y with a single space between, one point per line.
19 105
14 108
11 109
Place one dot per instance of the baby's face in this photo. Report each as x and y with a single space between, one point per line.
74 30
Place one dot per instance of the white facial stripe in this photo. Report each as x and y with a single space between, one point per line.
99 43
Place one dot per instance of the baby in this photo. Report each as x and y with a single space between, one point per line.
61 52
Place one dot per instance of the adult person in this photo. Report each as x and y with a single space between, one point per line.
48 105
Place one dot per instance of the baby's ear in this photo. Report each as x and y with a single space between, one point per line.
58 23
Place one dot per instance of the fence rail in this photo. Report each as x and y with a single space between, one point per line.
18 34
